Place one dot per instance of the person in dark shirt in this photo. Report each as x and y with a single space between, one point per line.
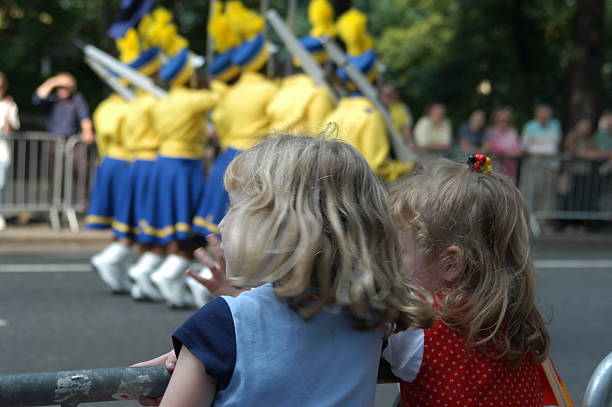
472 134
67 110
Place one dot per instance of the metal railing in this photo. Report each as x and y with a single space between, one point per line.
34 177
47 174
566 188
72 388
599 389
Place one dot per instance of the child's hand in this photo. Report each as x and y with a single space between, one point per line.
218 284
167 359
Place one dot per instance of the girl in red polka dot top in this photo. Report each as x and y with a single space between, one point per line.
465 238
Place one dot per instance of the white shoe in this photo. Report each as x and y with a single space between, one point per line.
2 223
136 293
141 274
113 275
200 294
171 280
110 264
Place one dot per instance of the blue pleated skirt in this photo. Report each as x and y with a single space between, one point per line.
177 193
105 200
216 200
138 198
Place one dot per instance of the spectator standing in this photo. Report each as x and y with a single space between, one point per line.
541 139
542 135
399 112
580 181
433 132
503 141
603 137
67 110
9 120
472 134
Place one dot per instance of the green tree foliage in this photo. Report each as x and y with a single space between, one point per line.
443 49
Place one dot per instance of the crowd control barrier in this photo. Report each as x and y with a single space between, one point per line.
47 174
566 188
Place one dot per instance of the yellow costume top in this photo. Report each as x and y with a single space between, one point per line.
400 116
362 126
141 140
240 116
179 121
300 106
108 119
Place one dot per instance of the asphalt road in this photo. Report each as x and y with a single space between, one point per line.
51 321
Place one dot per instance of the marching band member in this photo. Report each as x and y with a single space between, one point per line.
110 181
180 121
240 117
359 123
142 144
301 106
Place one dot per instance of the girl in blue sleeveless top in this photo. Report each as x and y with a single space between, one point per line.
310 226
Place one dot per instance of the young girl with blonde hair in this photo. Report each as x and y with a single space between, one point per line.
465 238
309 221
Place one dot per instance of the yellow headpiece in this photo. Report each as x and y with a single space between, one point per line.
352 28
247 23
321 17
220 30
128 46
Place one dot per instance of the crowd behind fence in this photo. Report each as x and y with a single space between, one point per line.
53 175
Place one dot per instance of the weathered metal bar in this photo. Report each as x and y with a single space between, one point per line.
335 53
71 388
599 389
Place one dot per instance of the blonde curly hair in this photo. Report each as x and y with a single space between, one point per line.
493 302
309 215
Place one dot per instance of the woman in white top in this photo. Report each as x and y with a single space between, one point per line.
9 120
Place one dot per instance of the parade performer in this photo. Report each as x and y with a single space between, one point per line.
488 343
359 122
137 140
110 182
179 121
301 106
141 143
240 117
310 223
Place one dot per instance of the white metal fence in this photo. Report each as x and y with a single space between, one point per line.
47 174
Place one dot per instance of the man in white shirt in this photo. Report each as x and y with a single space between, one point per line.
433 132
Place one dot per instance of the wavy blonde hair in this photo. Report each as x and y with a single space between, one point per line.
492 304
309 215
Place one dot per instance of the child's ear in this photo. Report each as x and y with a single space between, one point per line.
452 263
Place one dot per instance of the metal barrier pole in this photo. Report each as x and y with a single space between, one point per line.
67 207
599 389
71 388
54 211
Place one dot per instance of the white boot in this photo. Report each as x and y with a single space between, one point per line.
141 274
111 263
2 223
170 279
200 294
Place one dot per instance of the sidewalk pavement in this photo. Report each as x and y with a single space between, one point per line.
40 237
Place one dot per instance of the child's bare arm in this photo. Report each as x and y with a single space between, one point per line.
189 385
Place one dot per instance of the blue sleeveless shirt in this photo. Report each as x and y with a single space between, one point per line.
262 353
